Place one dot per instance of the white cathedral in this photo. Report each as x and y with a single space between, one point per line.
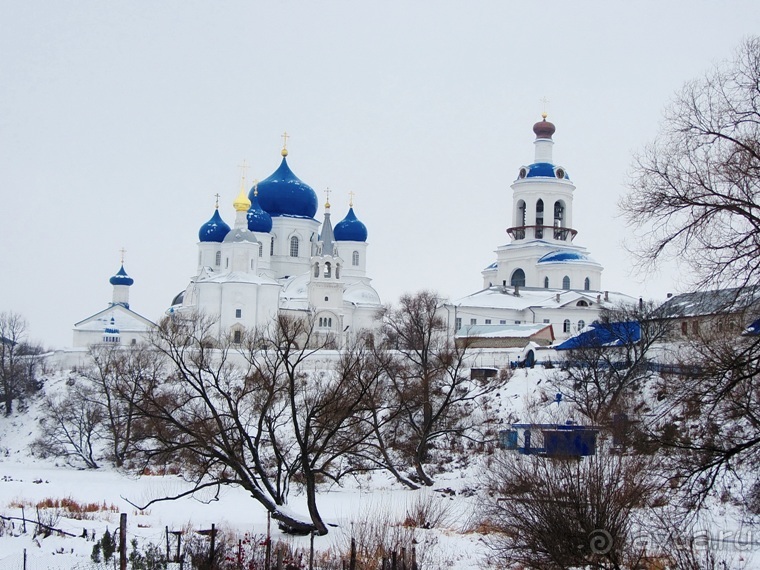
277 258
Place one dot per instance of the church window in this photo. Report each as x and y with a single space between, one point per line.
457 323
238 313
581 324
560 173
237 336
271 246
327 298
328 269
218 258
587 284
226 262
539 219
316 270
546 282
521 213
337 270
546 321
566 282
294 246
566 326
134 341
559 214
488 321
503 322
518 278
473 321
582 303
355 258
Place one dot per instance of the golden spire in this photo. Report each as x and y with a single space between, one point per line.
351 199
242 203
122 251
327 192
285 137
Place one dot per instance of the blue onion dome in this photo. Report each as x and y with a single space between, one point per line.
284 194
350 228
213 230
258 219
121 278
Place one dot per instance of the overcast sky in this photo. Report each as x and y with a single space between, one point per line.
120 121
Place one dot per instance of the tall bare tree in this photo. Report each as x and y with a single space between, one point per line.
428 380
17 359
695 191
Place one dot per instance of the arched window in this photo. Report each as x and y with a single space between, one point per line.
520 213
355 258
294 246
316 270
518 278
271 246
566 326
587 284
559 214
539 219
328 269
218 259
566 282
337 270
546 282
581 324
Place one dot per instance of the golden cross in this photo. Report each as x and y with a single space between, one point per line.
123 251
243 169
351 199
285 137
327 193
545 102
217 200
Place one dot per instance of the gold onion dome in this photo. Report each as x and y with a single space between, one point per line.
242 203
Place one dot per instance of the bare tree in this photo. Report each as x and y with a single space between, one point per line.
428 380
609 374
71 427
550 514
695 191
17 359
252 414
117 374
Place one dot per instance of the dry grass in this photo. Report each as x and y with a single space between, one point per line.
67 507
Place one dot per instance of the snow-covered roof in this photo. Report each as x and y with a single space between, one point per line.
505 298
117 316
502 331
700 303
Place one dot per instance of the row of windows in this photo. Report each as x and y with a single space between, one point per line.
328 270
294 249
559 213
325 322
566 325
518 280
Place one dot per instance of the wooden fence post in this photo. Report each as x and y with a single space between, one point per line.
123 542
352 564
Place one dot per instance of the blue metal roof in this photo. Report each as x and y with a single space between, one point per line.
562 255
121 278
350 228
258 219
543 169
284 194
213 230
604 334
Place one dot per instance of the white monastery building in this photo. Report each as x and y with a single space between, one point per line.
278 259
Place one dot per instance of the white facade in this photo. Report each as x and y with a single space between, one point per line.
541 275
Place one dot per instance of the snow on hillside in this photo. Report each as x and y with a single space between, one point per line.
26 480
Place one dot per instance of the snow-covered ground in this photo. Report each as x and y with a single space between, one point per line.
26 480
